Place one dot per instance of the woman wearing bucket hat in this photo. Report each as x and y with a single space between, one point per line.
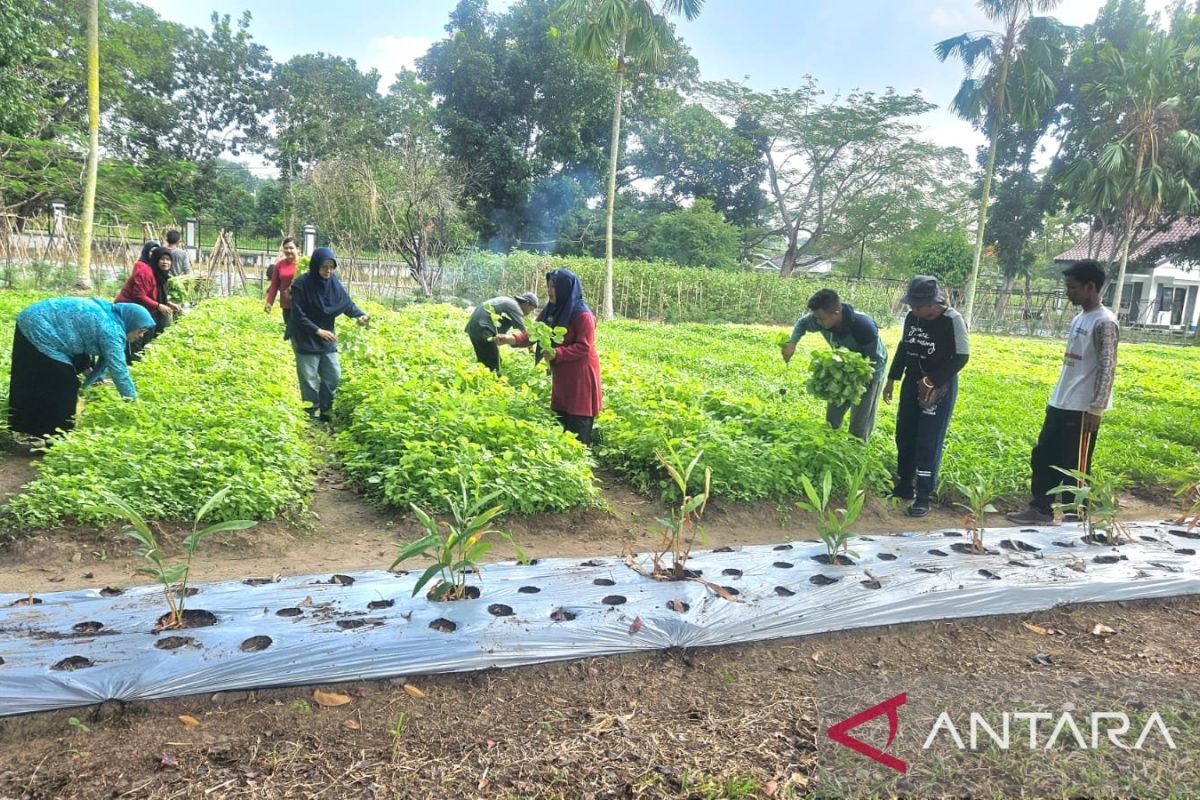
493 318
933 349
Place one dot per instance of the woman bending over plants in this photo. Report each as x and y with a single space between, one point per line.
576 394
318 299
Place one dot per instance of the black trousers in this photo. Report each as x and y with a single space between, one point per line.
488 353
1061 443
580 426
42 392
920 440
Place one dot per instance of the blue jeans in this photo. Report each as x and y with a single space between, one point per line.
920 438
319 374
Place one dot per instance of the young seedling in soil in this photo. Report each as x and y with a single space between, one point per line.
457 550
833 524
979 496
1189 497
173 577
1093 498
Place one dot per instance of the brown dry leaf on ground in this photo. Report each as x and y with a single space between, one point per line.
352 725
413 691
189 720
330 699
1038 629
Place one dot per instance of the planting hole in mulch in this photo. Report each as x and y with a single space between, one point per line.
111 591
1 662
1064 544
967 550
1029 530
731 590
929 570
692 573
1167 567
614 600
679 606
444 625
27 601
533 562
90 626
342 580
375 605
289 612
732 573
592 563
1013 563
1184 533
783 565
1017 544
783 591
887 556
350 624
871 584
469 593
936 552
256 644
528 590
192 591
989 574
727 549
1109 559
952 534
782 547
72 663
1185 551
823 580
192 618
1150 539
258 581
841 560
175 642
500 610
604 582
562 615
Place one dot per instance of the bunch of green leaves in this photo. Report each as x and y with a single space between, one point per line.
543 335
416 415
218 406
172 577
1093 498
978 495
682 528
838 376
833 524
457 547
1189 495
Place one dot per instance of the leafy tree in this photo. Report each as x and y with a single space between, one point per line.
944 254
1007 78
695 237
635 33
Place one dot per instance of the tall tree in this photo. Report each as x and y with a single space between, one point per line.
635 33
990 94
1135 139
83 278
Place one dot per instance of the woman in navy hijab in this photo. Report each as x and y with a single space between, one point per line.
576 394
318 298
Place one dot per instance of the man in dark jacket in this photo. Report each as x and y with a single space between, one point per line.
495 316
844 327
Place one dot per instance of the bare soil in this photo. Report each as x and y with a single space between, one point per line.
736 721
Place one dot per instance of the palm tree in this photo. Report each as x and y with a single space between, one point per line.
636 33
1001 84
1142 152
83 278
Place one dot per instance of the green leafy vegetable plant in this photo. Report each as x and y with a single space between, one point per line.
1093 498
978 495
833 524
1189 495
838 376
455 551
173 577
682 528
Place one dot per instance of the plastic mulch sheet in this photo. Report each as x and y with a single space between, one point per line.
80 647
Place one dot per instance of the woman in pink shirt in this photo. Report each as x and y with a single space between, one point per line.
281 280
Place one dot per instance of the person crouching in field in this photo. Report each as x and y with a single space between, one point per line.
1082 395
844 327
576 394
933 349
482 329
54 341
318 299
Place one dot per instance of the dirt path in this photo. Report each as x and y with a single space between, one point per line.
346 533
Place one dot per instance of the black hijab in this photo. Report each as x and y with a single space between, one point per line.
160 277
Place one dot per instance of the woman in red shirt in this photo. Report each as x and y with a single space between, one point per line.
147 287
281 280
576 394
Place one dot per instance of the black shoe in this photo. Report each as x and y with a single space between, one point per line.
898 493
919 508
1032 516
324 416
1071 517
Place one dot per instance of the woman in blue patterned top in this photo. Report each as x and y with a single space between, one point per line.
54 341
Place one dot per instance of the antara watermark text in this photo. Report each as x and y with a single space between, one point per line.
1042 730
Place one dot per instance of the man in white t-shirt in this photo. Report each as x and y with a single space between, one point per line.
1083 393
